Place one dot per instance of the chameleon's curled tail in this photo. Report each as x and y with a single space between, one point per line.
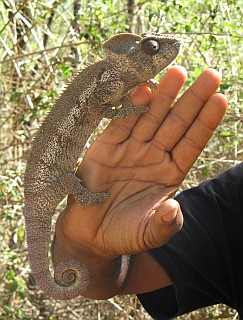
71 276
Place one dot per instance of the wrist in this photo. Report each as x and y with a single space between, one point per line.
107 275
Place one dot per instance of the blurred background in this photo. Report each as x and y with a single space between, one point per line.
42 45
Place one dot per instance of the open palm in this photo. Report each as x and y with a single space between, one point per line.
141 162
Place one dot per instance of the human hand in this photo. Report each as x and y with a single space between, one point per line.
141 162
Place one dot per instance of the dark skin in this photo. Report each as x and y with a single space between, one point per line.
140 162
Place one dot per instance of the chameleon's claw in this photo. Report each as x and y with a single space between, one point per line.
153 84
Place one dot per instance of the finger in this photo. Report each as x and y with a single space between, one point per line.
166 221
119 130
191 145
186 109
168 89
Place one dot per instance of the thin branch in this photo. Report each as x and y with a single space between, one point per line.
9 21
21 56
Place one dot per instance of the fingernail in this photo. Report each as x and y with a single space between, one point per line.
170 216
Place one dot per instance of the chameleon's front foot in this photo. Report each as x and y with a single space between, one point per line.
125 112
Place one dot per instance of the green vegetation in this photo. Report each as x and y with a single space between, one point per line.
42 45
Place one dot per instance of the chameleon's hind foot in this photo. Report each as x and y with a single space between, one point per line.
85 198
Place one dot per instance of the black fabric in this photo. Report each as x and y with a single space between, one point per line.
204 260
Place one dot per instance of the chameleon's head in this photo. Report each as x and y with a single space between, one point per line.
143 55
158 50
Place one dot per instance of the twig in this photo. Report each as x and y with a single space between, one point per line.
118 307
45 50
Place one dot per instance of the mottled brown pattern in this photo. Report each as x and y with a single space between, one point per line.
49 177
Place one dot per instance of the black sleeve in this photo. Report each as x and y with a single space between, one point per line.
204 260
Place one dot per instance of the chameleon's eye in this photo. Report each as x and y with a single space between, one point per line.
150 47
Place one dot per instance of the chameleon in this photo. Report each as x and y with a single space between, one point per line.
98 91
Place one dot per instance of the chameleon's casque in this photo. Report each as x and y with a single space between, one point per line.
94 94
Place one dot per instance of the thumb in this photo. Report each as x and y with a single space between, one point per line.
166 221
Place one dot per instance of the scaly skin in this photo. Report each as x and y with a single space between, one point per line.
94 94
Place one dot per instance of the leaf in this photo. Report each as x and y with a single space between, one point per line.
13 285
20 234
205 171
225 134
